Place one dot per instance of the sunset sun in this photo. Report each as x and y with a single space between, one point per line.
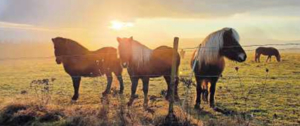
119 25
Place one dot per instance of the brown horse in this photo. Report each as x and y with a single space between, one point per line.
80 62
208 60
267 51
144 63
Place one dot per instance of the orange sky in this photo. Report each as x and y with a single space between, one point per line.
99 22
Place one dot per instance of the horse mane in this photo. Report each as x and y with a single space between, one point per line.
141 54
73 47
208 53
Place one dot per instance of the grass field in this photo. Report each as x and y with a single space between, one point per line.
249 96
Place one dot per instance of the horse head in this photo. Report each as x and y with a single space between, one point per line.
59 48
231 46
125 50
278 57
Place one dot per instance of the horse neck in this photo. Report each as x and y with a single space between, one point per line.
77 49
140 54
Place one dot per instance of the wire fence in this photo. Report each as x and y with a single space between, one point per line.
185 105
294 47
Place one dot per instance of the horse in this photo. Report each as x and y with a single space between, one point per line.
79 62
208 61
144 63
268 51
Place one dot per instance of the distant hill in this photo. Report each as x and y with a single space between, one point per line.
10 50
22 50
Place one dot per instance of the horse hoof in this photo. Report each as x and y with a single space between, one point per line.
74 98
129 103
212 105
121 92
145 105
197 107
73 101
105 93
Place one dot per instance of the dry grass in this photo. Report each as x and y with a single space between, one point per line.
250 99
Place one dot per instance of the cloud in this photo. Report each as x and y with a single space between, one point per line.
91 13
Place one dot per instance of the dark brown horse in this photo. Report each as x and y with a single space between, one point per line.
144 63
80 62
208 61
267 51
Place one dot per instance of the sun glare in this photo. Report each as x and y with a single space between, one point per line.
118 25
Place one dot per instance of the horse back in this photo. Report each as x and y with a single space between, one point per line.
267 51
108 58
161 60
95 63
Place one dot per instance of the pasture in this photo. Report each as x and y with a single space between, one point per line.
248 93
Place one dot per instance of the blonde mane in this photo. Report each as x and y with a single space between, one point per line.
208 53
140 54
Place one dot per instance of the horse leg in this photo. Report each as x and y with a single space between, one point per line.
176 96
108 86
199 91
212 92
257 57
205 91
76 84
168 79
134 81
145 90
120 79
268 58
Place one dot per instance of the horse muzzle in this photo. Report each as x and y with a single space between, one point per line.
58 61
242 57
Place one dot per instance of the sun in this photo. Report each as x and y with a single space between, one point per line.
119 25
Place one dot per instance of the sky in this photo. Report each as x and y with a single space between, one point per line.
152 22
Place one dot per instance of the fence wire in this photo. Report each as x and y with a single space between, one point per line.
187 49
187 89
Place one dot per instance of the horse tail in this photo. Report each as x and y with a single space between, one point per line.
256 55
278 57
192 59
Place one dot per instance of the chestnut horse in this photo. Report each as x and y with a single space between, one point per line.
208 60
80 62
268 51
144 63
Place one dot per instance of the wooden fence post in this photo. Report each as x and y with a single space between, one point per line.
174 72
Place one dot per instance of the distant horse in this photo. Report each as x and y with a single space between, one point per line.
144 63
268 51
209 60
80 62
182 53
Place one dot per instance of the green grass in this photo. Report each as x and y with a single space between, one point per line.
274 97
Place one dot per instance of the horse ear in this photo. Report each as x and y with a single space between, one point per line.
131 38
53 39
230 31
119 39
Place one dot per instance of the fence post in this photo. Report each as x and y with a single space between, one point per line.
171 116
